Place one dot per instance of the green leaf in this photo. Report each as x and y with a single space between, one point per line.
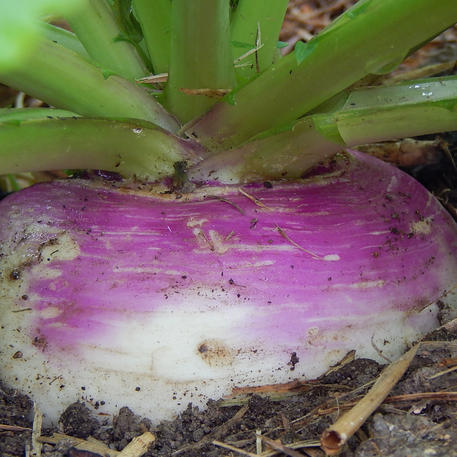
230 98
19 27
127 21
303 50
281 44
13 183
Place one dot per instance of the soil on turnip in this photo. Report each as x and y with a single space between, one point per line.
411 422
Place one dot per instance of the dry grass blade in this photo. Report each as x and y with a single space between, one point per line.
234 449
154 79
36 431
349 357
293 243
301 422
441 373
225 200
451 325
207 92
258 441
335 437
138 446
248 53
252 198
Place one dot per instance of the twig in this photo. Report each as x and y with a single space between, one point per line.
216 433
334 438
296 445
449 362
280 447
14 428
313 452
444 396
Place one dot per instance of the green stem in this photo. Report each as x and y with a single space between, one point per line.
200 55
284 155
65 38
367 116
66 80
130 148
372 37
256 23
17 115
96 27
409 109
155 21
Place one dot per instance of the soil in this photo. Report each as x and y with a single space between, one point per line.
408 423
411 421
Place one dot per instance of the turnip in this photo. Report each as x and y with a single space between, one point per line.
210 260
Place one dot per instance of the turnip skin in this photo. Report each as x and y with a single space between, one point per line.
185 298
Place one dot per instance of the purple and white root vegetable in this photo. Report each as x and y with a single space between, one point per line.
144 299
